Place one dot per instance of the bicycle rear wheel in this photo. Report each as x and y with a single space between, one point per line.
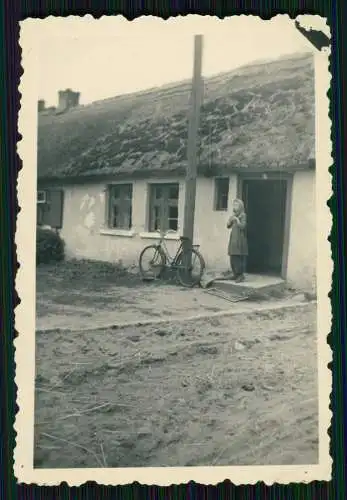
190 267
152 262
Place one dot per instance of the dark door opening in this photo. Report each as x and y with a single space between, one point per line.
265 204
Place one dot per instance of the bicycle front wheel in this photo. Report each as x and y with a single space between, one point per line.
190 268
152 262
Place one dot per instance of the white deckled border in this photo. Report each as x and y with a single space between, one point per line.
25 281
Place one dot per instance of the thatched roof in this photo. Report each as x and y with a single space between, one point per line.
257 117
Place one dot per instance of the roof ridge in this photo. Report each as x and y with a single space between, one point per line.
187 81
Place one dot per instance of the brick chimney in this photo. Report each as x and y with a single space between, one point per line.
67 100
41 105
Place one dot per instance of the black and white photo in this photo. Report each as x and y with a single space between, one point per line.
175 266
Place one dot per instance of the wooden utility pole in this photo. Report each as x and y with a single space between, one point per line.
189 205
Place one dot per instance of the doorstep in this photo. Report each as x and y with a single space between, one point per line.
252 283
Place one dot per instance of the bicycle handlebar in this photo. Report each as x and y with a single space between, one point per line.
162 234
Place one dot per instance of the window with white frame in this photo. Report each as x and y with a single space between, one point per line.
221 195
120 206
163 209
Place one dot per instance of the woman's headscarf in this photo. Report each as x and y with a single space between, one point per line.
240 204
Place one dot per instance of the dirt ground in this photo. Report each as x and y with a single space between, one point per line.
77 296
238 390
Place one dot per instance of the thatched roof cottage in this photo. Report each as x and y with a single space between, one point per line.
111 172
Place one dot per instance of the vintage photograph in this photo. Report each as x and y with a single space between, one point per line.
176 222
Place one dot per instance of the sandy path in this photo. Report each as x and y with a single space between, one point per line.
80 303
228 391
120 304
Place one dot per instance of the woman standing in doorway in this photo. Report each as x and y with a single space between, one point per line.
238 246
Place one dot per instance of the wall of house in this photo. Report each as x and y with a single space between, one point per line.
210 229
87 236
85 228
302 255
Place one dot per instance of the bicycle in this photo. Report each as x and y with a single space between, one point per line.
183 261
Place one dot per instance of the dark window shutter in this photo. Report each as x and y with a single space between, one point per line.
39 214
54 215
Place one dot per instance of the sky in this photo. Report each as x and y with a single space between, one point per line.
111 56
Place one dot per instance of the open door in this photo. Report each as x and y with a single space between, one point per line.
265 204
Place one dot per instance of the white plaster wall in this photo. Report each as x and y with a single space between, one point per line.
302 256
84 226
210 229
85 215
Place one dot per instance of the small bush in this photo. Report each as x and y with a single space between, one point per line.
49 246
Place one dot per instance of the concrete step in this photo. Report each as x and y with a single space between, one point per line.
253 283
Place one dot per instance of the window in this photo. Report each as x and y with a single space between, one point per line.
221 193
120 206
50 206
163 207
41 197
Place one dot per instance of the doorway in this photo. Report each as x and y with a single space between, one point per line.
265 203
